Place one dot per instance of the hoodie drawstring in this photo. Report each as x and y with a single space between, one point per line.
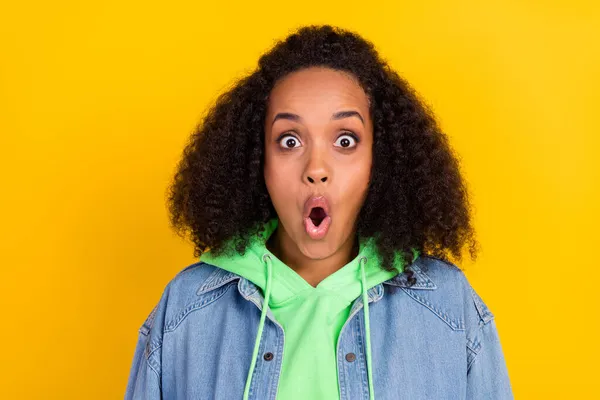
266 258
365 299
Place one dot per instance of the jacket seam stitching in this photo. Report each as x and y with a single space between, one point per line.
456 324
485 314
149 364
153 345
148 360
362 359
475 345
471 362
199 304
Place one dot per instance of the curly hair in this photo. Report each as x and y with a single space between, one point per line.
416 199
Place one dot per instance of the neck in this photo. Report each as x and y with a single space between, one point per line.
311 270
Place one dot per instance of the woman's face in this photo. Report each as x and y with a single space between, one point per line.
318 142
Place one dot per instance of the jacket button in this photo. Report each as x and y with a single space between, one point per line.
268 356
350 357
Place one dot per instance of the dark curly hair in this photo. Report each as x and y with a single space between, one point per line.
416 198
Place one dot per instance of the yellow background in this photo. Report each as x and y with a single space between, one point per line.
97 100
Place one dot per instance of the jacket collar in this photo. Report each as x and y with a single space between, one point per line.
250 292
220 277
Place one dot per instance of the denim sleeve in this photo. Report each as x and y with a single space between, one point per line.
487 374
144 376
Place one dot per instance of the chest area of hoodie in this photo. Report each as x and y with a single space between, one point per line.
312 314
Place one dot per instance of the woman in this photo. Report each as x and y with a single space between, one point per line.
318 184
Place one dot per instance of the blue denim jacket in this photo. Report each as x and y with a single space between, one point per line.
435 339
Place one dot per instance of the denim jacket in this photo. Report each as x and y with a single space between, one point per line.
435 339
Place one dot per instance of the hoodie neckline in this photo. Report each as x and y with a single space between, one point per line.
268 262
336 279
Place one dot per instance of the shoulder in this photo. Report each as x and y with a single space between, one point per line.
185 284
455 301
450 293
179 292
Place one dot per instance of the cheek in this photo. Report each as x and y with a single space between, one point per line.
356 184
278 181
272 174
268 170
357 175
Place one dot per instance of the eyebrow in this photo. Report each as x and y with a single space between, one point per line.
335 116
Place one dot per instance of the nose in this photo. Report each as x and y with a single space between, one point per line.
312 180
316 170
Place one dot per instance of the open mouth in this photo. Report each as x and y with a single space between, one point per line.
317 215
317 218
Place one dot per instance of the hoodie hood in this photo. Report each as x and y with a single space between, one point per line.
285 290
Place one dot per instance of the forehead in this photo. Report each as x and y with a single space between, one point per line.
318 88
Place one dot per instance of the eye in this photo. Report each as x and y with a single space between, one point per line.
346 140
288 141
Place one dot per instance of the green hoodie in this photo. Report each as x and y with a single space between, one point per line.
311 317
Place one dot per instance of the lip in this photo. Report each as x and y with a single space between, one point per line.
316 232
315 201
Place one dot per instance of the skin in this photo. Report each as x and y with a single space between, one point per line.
315 147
